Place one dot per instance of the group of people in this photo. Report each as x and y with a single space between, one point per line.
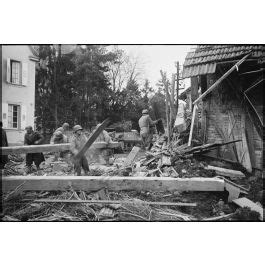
77 141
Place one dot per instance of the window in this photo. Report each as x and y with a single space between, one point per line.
13 116
15 72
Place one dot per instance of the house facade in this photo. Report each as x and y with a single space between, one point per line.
18 90
233 111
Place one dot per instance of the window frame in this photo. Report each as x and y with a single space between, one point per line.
18 121
19 72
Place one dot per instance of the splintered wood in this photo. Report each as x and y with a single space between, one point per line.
226 172
245 202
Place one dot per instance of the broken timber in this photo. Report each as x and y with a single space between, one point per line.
226 172
245 202
91 140
131 157
50 148
114 183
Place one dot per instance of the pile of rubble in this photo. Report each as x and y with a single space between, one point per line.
163 160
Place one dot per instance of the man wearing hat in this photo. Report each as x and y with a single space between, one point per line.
77 143
65 130
33 138
145 122
58 138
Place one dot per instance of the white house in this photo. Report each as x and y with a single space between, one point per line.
18 90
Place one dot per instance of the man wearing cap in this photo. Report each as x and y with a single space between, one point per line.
145 122
33 138
78 141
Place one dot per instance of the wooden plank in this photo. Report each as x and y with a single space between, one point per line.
226 172
50 148
234 191
215 85
186 204
192 124
91 139
114 183
245 202
131 157
246 160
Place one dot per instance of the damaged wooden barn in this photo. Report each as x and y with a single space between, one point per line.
227 84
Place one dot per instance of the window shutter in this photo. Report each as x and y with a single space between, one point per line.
5 114
24 74
23 117
8 70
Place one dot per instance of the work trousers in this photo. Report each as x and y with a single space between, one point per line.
82 163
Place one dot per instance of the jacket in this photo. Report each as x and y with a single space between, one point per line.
145 122
77 143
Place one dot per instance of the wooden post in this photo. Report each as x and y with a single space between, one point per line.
192 124
177 88
246 159
167 111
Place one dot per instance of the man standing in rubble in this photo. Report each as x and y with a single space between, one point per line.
4 143
77 143
33 138
104 137
145 123
59 138
65 130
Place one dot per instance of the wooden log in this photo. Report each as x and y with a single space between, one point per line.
50 148
114 183
218 82
226 172
245 202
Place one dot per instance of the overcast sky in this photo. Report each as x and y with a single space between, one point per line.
158 57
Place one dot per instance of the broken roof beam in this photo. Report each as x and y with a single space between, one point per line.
215 85
114 183
50 148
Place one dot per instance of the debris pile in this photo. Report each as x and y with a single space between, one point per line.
162 160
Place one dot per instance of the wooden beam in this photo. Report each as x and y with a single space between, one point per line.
226 172
192 124
114 183
50 148
246 158
218 82
245 202
92 138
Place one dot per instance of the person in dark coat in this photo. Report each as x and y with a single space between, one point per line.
4 142
33 138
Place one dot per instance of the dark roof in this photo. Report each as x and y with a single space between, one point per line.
204 59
